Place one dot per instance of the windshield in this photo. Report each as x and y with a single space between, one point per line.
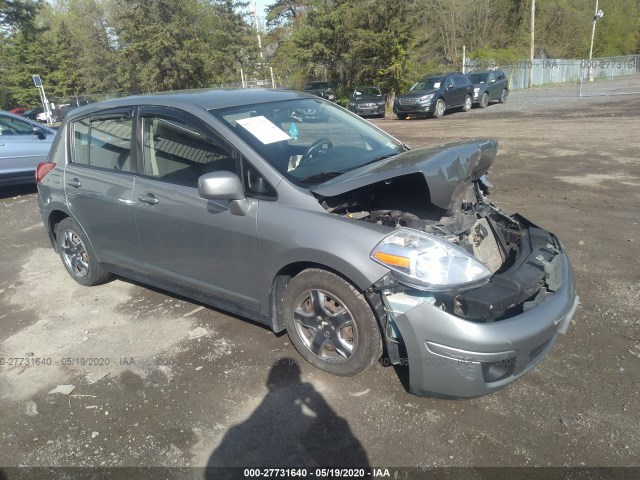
428 83
478 77
367 92
308 140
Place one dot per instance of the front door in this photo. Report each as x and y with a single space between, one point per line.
186 239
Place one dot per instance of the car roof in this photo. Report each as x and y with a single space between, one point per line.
483 71
366 86
206 99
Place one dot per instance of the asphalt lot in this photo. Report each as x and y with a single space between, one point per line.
160 381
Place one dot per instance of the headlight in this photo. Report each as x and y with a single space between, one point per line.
352 104
427 262
424 98
381 103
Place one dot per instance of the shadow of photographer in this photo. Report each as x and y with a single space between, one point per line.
293 427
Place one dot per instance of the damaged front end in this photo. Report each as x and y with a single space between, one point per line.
462 271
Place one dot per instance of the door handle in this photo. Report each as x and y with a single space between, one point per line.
74 183
148 198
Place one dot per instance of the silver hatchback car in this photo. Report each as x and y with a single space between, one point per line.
293 212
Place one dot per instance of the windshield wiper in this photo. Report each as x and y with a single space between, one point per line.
321 177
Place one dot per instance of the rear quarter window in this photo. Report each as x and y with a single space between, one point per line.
104 143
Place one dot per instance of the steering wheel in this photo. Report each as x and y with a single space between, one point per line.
315 148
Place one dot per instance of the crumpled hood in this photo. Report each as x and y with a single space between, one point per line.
446 168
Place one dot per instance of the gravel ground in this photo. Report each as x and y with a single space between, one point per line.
193 386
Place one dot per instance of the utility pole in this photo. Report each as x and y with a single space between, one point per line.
533 31
257 23
596 16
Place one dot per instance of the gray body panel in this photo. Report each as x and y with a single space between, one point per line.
430 371
444 167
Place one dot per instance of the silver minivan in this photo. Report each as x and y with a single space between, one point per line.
291 211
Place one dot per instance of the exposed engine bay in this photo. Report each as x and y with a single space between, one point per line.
473 223
520 255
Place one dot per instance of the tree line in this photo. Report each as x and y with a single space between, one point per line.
136 46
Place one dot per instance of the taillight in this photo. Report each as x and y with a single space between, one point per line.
42 169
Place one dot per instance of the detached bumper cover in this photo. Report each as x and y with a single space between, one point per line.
454 357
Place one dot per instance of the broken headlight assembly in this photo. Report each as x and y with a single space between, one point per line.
426 262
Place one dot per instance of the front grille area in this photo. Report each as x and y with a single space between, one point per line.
407 101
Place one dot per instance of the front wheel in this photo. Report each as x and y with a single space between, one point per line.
467 103
77 255
503 95
440 108
484 102
330 323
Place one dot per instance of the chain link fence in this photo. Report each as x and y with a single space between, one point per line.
600 76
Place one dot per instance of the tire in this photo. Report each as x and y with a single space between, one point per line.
330 323
440 108
468 103
484 101
77 256
402 116
504 95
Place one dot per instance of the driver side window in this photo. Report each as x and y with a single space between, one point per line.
177 152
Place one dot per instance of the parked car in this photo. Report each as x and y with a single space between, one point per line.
23 145
32 113
55 115
368 101
489 86
18 110
435 94
340 234
320 89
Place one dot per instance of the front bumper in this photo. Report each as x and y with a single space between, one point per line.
367 111
450 356
415 109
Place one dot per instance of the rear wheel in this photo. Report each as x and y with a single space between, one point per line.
77 255
484 101
402 116
504 95
467 103
440 108
330 323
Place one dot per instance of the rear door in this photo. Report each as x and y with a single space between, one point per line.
186 239
98 183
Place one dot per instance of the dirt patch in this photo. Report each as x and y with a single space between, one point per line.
79 330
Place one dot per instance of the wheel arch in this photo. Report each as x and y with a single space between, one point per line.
284 275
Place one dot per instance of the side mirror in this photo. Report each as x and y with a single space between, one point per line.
40 133
224 185
493 80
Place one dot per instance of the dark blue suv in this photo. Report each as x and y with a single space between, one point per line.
434 94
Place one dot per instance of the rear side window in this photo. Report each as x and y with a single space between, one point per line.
13 126
177 152
104 143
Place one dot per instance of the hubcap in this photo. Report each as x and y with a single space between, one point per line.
74 254
440 107
325 326
467 103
